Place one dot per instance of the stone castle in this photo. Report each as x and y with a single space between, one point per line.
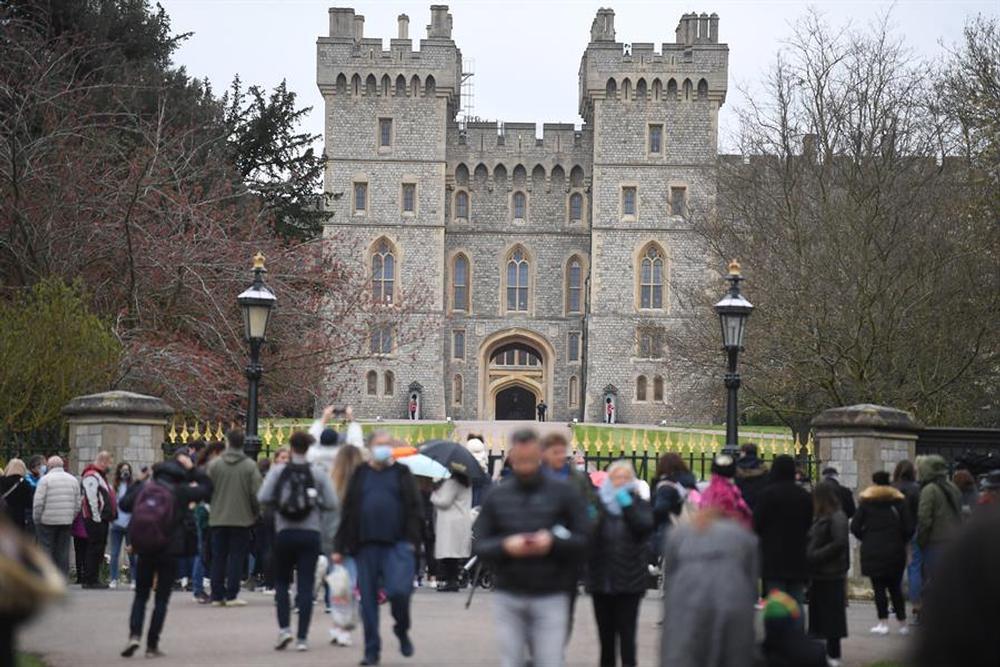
549 266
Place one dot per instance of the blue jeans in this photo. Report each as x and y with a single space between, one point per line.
229 554
295 550
914 572
119 536
198 568
391 566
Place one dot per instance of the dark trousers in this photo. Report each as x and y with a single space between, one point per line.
229 553
448 569
80 557
390 566
54 540
892 584
295 550
833 648
163 568
97 540
617 616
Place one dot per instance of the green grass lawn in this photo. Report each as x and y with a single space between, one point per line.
28 660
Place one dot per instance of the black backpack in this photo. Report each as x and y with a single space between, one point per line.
295 492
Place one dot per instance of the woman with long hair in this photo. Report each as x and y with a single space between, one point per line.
349 458
123 481
827 554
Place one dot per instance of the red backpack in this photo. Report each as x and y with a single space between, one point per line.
152 520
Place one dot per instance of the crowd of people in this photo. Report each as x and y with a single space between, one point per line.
347 523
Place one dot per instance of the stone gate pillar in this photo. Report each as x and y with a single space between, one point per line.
130 426
858 440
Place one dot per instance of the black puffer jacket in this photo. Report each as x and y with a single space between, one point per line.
828 550
620 550
524 506
189 487
884 525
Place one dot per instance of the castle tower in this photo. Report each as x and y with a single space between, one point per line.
387 114
654 118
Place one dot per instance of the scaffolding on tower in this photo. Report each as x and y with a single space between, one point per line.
468 94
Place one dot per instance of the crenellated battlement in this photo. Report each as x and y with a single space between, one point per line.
693 68
348 62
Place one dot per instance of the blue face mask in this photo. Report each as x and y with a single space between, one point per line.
44 469
382 453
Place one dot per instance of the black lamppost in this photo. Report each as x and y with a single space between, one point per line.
256 303
733 310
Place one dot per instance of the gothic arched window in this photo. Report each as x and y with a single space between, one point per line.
371 380
462 205
517 281
460 283
573 391
574 286
520 204
640 388
651 278
456 389
658 388
388 383
575 207
383 272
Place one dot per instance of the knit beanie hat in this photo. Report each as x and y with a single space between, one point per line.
779 604
328 437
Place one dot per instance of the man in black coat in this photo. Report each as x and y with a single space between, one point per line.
188 486
830 474
782 516
532 528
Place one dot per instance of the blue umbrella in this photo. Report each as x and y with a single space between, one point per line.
425 466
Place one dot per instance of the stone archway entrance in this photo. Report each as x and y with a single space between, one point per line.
515 374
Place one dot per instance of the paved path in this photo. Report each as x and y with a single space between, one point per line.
90 627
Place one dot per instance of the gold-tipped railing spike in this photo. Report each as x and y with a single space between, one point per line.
268 436
184 432
172 433
219 433
196 432
810 446
645 442
586 441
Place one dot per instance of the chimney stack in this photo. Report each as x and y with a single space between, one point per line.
440 27
713 28
404 26
342 22
359 27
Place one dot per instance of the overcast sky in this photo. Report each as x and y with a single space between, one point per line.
526 55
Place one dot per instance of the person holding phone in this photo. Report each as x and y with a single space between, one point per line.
532 529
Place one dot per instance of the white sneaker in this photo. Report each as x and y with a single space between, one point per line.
904 629
339 637
301 645
284 639
832 662
132 586
236 602
113 584
880 629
